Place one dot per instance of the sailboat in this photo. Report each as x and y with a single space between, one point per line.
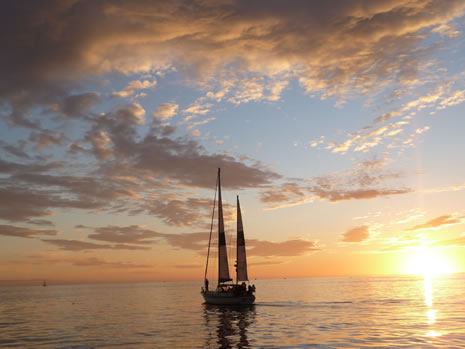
228 292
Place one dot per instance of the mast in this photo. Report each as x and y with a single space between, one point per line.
211 230
223 268
241 263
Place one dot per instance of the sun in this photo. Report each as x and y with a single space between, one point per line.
427 262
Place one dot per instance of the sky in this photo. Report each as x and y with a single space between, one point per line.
340 124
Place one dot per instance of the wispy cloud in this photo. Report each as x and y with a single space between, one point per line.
79 261
356 234
437 223
460 241
10 230
46 139
296 247
141 236
77 245
134 85
452 188
166 111
138 238
363 181
130 234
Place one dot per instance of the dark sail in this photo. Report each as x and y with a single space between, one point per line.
223 268
241 255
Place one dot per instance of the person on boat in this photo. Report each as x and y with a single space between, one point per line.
251 289
206 285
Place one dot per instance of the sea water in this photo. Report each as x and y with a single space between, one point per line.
289 313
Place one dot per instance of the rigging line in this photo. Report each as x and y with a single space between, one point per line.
211 228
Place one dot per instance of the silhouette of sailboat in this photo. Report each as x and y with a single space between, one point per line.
44 283
226 291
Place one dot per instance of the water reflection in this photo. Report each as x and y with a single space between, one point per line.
428 291
430 312
228 326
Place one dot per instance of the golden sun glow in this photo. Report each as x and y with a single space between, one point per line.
428 262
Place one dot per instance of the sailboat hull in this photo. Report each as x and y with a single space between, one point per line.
227 298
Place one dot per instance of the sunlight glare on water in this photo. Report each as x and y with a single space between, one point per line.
291 313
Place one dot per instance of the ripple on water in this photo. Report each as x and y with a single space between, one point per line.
326 312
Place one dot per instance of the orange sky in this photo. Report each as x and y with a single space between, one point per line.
340 125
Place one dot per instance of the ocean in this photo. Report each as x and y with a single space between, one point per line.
350 312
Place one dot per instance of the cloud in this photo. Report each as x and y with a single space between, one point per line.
46 139
359 194
192 241
75 105
17 150
422 130
10 230
447 30
197 109
456 98
179 211
356 234
95 261
145 170
137 235
407 242
133 86
130 234
187 241
437 223
179 160
382 130
40 222
136 177
296 247
400 246
290 191
249 90
282 198
18 204
79 261
77 245
460 241
237 52
42 195
359 44
166 111
101 144
193 124
363 181
446 189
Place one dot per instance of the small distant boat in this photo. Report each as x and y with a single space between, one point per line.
227 292
44 284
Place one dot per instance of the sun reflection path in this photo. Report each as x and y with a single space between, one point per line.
431 316
430 313
428 290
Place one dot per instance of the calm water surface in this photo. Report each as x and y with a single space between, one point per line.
319 312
